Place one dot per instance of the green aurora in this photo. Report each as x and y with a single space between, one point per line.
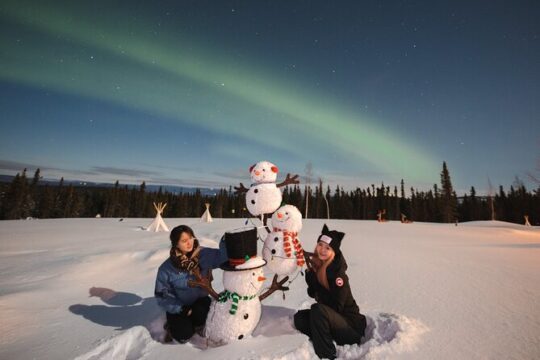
201 87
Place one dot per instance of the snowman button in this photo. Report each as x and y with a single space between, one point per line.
273 251
256 191
253 202
246 316
276 238
240 337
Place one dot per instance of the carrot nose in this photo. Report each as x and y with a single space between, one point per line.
257 172
261 278
279 215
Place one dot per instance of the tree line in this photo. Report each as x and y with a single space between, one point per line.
29 198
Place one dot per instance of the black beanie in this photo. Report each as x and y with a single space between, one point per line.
332 238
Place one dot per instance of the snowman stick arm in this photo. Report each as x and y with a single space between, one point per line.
240 189
204 282
289 180
276 285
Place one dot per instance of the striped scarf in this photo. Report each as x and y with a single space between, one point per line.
289 236
226 295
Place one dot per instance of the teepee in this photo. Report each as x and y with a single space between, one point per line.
158 224
206 217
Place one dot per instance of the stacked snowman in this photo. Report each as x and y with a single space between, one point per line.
237 310
264 196
282 249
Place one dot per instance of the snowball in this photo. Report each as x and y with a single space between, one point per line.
264 172
287 218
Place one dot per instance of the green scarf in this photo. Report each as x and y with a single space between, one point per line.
224 296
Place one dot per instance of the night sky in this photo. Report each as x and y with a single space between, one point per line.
193 92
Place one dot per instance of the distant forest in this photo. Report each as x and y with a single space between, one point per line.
28 198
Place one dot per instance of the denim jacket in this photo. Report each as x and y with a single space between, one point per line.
172 290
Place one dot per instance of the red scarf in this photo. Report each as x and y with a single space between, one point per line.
288 237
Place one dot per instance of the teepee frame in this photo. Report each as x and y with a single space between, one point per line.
158 224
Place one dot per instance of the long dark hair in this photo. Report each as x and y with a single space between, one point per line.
176 233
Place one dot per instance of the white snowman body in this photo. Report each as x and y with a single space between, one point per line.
274 254
221 325
263 199
285 221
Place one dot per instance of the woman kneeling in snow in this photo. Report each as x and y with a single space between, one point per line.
186 306
335 316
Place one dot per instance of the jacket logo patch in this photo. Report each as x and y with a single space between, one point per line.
339 282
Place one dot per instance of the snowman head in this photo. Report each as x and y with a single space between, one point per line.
287 218
244 282
263 172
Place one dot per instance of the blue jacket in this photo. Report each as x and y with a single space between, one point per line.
172 290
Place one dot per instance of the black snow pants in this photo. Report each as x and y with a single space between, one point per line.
182 326
324 325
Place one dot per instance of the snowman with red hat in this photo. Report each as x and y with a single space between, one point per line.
235 312
264 196
282 249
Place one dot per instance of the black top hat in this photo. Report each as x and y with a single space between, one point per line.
242 251
331 237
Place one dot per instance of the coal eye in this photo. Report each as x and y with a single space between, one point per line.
264 169
253 274
286 213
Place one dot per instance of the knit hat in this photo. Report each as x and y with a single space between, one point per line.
332 238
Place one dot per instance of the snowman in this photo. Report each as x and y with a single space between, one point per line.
263 196
236 311
282 250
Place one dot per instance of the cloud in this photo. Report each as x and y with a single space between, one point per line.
189 182
177 168
233 174
19 166
123 172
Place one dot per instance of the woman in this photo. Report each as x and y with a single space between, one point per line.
186 306
335 316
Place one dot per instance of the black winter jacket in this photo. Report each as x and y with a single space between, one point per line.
339 297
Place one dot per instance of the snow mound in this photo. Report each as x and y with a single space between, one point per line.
275 321
131 344
386 336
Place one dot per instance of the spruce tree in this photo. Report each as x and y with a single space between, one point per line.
448 197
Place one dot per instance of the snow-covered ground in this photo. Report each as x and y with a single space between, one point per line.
84 288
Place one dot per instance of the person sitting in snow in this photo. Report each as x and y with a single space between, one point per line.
335 316
186 306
